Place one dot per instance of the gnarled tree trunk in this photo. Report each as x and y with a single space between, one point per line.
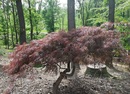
63 75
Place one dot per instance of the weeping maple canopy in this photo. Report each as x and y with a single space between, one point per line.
63 47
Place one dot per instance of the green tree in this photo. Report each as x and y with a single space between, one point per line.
14 21
50 14
81 9
5 22
96 12
62 20
122 18
33 18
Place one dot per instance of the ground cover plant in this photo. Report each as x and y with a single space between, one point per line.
86 44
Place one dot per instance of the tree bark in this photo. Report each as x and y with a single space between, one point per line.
111 16
14 22
7 23
58 81
83 13
71 14
71 19
21 21
63 75
7 33
30 18
52 20
36 26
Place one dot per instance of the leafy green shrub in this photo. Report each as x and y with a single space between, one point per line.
125 35
2 52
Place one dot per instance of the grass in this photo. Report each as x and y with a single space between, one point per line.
5 52
2 52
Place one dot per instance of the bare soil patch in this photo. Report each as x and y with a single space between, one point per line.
38 82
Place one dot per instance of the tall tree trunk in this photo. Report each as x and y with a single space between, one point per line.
21 21
14 22
5 38
6 26
111 16
71 18
30 18
7 22
83 13
39 11
53 23
52 19
7 33
71 14
71 25
12 34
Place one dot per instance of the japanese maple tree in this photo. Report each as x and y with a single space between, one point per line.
65 47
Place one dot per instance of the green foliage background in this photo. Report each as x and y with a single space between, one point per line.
92 12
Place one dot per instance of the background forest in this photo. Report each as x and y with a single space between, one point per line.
79 43
44 16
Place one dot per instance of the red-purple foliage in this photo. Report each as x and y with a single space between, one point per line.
64 47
